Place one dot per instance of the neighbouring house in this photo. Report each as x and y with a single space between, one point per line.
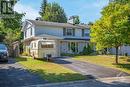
123 50
54 38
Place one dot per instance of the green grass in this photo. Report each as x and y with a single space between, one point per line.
50 71
107 61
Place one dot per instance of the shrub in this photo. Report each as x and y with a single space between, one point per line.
87 50
25 54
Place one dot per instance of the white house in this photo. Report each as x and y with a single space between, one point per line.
68 38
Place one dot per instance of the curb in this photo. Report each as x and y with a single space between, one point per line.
62 83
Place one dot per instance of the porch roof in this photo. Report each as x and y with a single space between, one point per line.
49 36
77 39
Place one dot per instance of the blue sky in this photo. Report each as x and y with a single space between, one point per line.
88 10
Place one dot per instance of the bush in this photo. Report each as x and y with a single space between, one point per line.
25 54
69 55
87 50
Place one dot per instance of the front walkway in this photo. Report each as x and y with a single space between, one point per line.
105 82
89 70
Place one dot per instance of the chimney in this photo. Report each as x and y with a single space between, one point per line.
72 19
38 19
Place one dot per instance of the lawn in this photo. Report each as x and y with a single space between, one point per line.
107 61
50 71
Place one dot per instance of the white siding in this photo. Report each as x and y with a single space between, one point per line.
49 30
56 31
28 32
122 50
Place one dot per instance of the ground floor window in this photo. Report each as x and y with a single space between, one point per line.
73 47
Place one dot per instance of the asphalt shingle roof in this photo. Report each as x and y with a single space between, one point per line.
56 24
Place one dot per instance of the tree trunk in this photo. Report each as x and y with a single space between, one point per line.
116 60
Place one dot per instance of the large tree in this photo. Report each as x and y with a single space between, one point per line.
121 1
43 7
54 13
10 29
113 28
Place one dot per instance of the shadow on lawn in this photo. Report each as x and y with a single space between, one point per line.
62 77
125 66
21 59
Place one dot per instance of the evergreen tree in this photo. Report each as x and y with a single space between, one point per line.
43 8
76 20
54 13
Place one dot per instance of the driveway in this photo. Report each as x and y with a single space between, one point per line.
91 71
13 75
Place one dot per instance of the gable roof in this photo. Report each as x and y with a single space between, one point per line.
56 24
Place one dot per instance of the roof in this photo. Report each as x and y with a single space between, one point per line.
56 24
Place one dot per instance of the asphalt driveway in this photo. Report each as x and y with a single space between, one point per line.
92 71
13 75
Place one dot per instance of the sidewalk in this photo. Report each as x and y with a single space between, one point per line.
104 82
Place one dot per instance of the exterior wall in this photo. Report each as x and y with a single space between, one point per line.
49 30
39 52
28 32
122 50
57 31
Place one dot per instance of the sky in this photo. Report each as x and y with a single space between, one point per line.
87 10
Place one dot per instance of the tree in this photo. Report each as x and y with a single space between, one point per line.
13 23
43 7
121 1
54 13
113 28
2 33
90 23
10 29
76 20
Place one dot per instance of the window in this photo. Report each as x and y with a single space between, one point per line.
87 34
64 31
68 32
34 44
73 46
31 31
47 46
25 34
83 33
69 45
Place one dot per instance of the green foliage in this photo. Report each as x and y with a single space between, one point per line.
87 50
10 30
54 13
122 1
76 20
43 7
13 23
112 29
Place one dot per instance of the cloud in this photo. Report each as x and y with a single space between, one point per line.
30 13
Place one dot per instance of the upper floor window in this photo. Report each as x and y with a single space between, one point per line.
84 33
87 34
31 31
25 34
68 32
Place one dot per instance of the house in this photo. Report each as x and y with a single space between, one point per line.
68 38
123 50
